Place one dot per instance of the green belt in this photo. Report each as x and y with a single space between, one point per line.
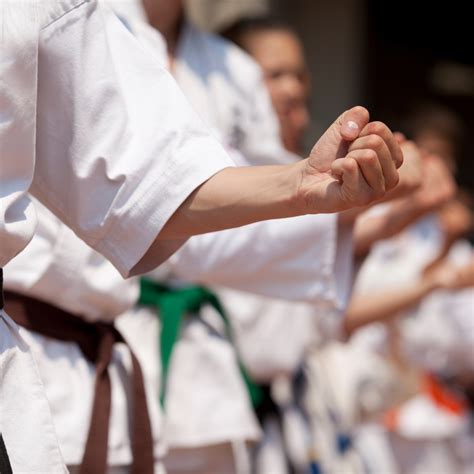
173 305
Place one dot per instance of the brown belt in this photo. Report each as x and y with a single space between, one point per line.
96 341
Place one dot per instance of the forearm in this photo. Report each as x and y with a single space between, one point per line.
322 183
231 198
236 197
366 309
369 229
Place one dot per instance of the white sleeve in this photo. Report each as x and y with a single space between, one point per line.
292 259
17 144
118 148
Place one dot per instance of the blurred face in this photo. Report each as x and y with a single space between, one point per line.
281 57
164 14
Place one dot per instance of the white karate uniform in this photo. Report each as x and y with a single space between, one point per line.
201 350
440 336
436 336
227 90
274 337
57 267
225 86
79 99
262 325
99 292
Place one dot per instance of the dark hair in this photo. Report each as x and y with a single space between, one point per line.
236 31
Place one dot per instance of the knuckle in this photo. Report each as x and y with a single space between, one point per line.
371 156
375 142
367 157
378 127
350 164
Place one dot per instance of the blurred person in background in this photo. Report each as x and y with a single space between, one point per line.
226 87
58 277
279 51
260 323
207 430
438 131
433 340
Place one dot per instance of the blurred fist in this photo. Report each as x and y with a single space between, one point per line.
438 186
448 276
455 220
465 276
411 171
442 274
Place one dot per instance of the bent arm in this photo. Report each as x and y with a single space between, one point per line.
379 307
370 228
231 198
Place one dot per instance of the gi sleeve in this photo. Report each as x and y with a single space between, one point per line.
294 259
17 113
118 148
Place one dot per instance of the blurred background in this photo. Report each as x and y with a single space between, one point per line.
388 56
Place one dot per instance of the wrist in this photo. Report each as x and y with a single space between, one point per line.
296 201
430 283
312 195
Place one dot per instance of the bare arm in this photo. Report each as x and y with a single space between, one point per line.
456 220
321 183
236 197
369 229
367 309
383 306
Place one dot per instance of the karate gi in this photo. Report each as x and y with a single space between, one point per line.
425 436
90 149
274 338
36 276
226 88
58 268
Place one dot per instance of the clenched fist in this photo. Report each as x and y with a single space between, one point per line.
353 164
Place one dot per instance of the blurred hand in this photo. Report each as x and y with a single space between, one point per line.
448 276
465 276
353 164
455 219
411 171
441 275
438 186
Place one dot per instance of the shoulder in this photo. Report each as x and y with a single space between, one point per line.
150 38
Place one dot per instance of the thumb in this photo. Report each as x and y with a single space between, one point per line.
352 121
335 140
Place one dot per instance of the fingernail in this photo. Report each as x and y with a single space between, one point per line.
352 125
